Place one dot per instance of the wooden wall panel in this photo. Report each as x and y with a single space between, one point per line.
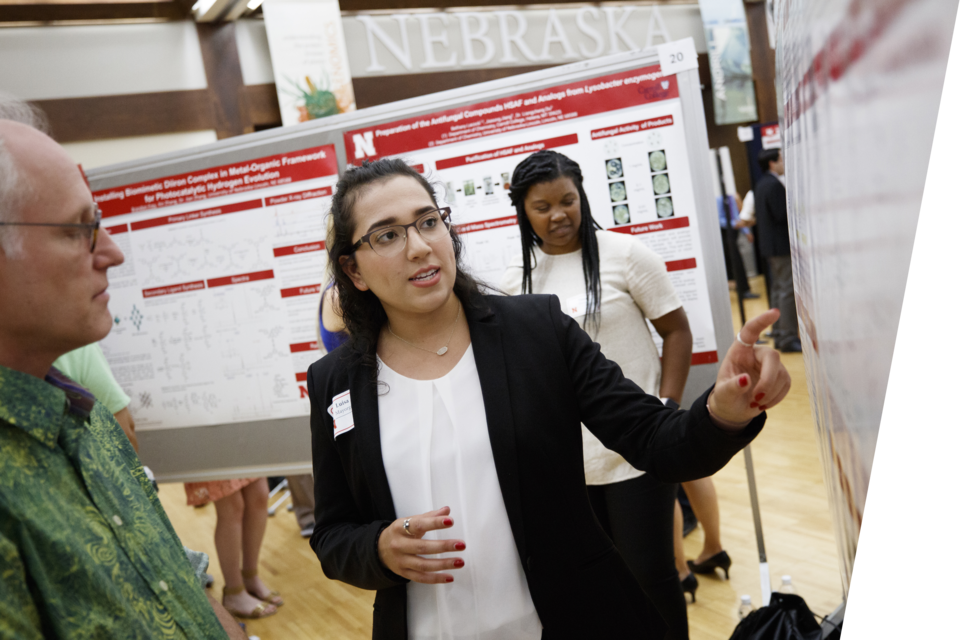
764 61
221 61
140 114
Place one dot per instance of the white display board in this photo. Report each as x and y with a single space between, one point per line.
216 306
627 132
862 85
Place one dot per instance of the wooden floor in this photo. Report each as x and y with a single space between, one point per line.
793 504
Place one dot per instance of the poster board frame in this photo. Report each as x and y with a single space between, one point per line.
282 446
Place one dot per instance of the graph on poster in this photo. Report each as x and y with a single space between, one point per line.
215 306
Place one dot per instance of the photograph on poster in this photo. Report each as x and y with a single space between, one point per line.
621 214
661 184
487 186
658 160
665 207
468 188
618 191
614 168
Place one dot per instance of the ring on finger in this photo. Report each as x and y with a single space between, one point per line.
406 527
740 340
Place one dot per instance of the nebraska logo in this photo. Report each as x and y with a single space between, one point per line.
363 145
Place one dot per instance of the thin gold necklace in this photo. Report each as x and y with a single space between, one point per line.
442 350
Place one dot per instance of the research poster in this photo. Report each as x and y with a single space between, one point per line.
860 111
215 307
626 131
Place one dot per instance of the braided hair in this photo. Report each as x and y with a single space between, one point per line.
362 312
547 166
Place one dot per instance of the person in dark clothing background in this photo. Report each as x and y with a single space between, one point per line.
774 243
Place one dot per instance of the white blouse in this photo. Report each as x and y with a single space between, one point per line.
436 452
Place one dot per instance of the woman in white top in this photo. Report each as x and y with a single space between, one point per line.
565 253
446 435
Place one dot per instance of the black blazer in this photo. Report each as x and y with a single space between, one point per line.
541 376
773 233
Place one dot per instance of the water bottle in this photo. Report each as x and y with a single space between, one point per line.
746 607
786 586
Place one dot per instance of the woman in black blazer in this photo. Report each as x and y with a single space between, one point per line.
411 309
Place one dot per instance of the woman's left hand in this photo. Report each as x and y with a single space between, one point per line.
751 379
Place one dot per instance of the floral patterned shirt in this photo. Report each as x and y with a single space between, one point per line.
86 550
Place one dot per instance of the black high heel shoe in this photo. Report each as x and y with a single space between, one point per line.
717 561
689 585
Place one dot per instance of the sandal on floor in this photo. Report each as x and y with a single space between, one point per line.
258 611
273 597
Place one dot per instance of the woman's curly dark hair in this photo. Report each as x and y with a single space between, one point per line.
362 312
547 166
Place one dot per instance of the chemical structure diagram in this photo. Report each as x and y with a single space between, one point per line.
302 220
180 256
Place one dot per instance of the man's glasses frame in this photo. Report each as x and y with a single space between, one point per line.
92 228
444 218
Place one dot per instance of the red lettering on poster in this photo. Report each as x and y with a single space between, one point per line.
301 291
704 357
117 229
173 288
523 111
300 347
196 215
299 196
632 127
260 173
485 225
650 227
681 265
504 152
240 279
296 249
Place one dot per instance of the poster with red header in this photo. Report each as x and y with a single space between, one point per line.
626 131
215 306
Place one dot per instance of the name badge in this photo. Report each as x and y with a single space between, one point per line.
577 306
342 414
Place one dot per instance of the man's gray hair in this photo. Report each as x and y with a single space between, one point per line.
14 191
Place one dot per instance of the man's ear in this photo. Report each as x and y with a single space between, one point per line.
349 264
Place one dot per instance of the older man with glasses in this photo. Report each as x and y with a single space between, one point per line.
86 549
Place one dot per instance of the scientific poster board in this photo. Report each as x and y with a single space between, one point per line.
626 131
226 283
862 84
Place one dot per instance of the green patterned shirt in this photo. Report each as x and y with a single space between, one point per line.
86 550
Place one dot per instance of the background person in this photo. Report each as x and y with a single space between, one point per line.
565 253
773 230
444 396
241 524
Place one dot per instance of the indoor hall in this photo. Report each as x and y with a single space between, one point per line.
262 181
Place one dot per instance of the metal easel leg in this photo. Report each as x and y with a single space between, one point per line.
765 589
272 509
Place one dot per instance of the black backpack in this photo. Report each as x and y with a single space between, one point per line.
787 617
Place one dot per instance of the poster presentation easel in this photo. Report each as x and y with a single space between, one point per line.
216 307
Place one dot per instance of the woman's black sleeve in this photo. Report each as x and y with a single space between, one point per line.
675 446
344 542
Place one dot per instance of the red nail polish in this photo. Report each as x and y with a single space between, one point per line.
754 405
449 579
459 546
763 407
759 397
447 522
744 381
458 563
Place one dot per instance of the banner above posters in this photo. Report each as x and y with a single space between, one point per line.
728 45
309 55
